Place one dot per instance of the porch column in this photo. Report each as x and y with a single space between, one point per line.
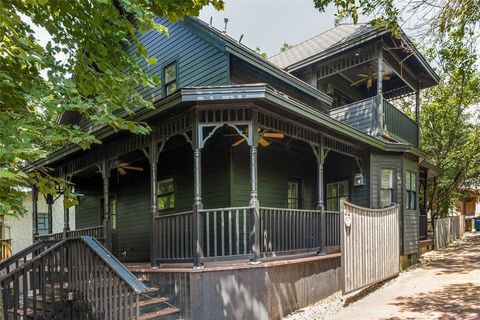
197 206
49 200
153 157
34 212
320 201
255 214
66 217
106 203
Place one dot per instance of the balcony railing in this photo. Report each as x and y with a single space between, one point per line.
96 232
363 115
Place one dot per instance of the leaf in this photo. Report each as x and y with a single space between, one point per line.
152 60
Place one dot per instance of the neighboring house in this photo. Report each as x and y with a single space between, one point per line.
468 203
249 160
19 229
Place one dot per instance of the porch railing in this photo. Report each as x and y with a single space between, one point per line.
80 268
5 249
399 124
289 230
228 233
332 223
173 239
96 232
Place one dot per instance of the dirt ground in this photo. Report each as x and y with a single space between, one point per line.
445 285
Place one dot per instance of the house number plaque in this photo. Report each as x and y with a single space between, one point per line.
347 218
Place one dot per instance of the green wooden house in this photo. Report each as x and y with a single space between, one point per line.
249 159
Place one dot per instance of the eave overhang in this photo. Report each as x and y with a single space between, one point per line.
191 96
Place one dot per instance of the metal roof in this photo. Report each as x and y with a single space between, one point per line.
320 43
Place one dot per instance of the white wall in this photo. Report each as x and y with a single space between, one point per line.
21 227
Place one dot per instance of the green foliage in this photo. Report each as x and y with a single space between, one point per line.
259 51
84 68
285 47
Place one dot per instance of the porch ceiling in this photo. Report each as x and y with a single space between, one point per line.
227 95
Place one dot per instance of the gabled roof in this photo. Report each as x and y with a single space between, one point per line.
318 44
243 52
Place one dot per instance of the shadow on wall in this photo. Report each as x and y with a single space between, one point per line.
460 300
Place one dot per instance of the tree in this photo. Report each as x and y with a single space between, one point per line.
285 47
83 68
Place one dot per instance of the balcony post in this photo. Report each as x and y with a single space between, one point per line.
197 233
153 159
417 113
255 235
380 114
49 200
34 212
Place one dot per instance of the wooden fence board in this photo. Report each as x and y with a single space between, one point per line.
447 230
370 246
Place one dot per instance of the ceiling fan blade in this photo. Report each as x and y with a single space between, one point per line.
369 83
238 142
386 78
122 171
263 142
274 135
132 168
123 164
363 75
357 82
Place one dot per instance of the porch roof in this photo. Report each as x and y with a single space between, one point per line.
190 96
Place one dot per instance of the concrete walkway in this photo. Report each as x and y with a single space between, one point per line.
446 288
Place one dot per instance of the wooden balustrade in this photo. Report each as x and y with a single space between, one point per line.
22 257
227 232
399 124
332 229
173 237
96 232
289 230
77 268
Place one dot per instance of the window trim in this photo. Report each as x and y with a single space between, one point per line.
165 84
411 194
174 187
380 188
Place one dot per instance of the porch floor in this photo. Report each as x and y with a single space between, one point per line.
145 267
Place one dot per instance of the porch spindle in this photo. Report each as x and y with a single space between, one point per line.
255 216
34 212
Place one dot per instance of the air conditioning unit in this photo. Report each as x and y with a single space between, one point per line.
358 180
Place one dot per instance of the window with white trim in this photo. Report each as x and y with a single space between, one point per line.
386 187
336 193
170 78
411 187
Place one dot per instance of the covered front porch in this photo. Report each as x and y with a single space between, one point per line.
218 183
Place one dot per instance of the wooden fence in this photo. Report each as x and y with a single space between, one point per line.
447 230
370 245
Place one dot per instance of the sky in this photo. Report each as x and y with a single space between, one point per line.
270 23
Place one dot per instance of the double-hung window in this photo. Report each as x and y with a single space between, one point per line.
166 194
293 194
170 78
386 187
336 193
411 187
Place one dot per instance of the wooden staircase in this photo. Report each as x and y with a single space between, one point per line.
46 285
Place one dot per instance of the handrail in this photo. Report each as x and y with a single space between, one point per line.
22 254
290 210
119 268
164 216
225 209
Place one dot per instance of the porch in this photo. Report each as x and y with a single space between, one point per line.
252 201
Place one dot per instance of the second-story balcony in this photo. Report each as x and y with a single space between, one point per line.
378 117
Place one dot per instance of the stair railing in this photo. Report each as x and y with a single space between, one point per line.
22 257
76 269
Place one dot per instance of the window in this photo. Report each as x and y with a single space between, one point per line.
336 193
170 78
386 187
166 194
411 187
293 194
42 219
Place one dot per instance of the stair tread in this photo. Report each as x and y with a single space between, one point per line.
152 301
157 314
151 290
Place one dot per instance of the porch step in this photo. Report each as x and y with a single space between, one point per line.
152 302
159 314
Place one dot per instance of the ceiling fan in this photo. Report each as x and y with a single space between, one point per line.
262 141
122 167
369 77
